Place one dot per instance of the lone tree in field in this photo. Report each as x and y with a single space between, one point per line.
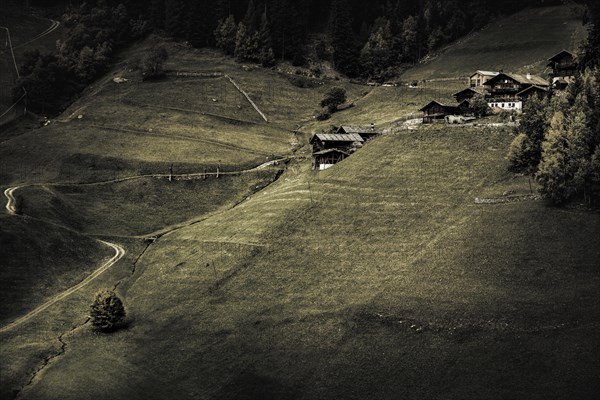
107 311
335 97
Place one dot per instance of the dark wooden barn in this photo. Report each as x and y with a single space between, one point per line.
437 111
563 64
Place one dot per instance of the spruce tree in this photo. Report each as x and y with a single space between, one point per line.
267 57
107 311
341 35
225 35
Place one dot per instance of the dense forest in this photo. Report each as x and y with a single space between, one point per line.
359 38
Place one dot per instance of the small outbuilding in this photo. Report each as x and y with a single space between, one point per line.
435 110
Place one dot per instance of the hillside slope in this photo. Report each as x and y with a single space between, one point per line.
377 278
517 43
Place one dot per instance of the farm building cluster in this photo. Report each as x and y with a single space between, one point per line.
504 91
500 90
330 148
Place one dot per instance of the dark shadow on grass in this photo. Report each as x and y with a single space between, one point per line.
251 386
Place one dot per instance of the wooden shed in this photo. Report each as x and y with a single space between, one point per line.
435 110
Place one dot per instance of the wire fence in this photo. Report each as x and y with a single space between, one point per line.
11 106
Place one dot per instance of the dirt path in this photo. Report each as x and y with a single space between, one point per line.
11 208
119 253
52 28
11 202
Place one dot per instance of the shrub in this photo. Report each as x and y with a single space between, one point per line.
302 81
106 311
335 97
152 64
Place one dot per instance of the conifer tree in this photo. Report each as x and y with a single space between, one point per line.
340 32
225 35
267 57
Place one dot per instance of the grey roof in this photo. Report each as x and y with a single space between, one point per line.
523 79
486 73
339 137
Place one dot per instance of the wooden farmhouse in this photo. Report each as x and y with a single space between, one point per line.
562 64
505 90
563 67
479 78
436 111
328 158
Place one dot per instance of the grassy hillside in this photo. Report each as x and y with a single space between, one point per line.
38 261
517 43
352 282
141 206
378 278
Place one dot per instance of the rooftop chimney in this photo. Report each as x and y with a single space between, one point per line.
372 126
528 76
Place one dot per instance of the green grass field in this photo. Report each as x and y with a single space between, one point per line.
378 278
518 43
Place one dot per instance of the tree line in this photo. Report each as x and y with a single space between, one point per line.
558 140
360 39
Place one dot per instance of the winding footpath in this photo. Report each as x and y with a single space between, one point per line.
11 208
52 28
10 200
119 253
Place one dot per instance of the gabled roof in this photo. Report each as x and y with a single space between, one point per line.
533 87
338 137
439 104
320 153
469 89
485 73
560 54
356 129
522 79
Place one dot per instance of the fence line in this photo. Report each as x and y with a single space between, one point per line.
11 50
247 98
